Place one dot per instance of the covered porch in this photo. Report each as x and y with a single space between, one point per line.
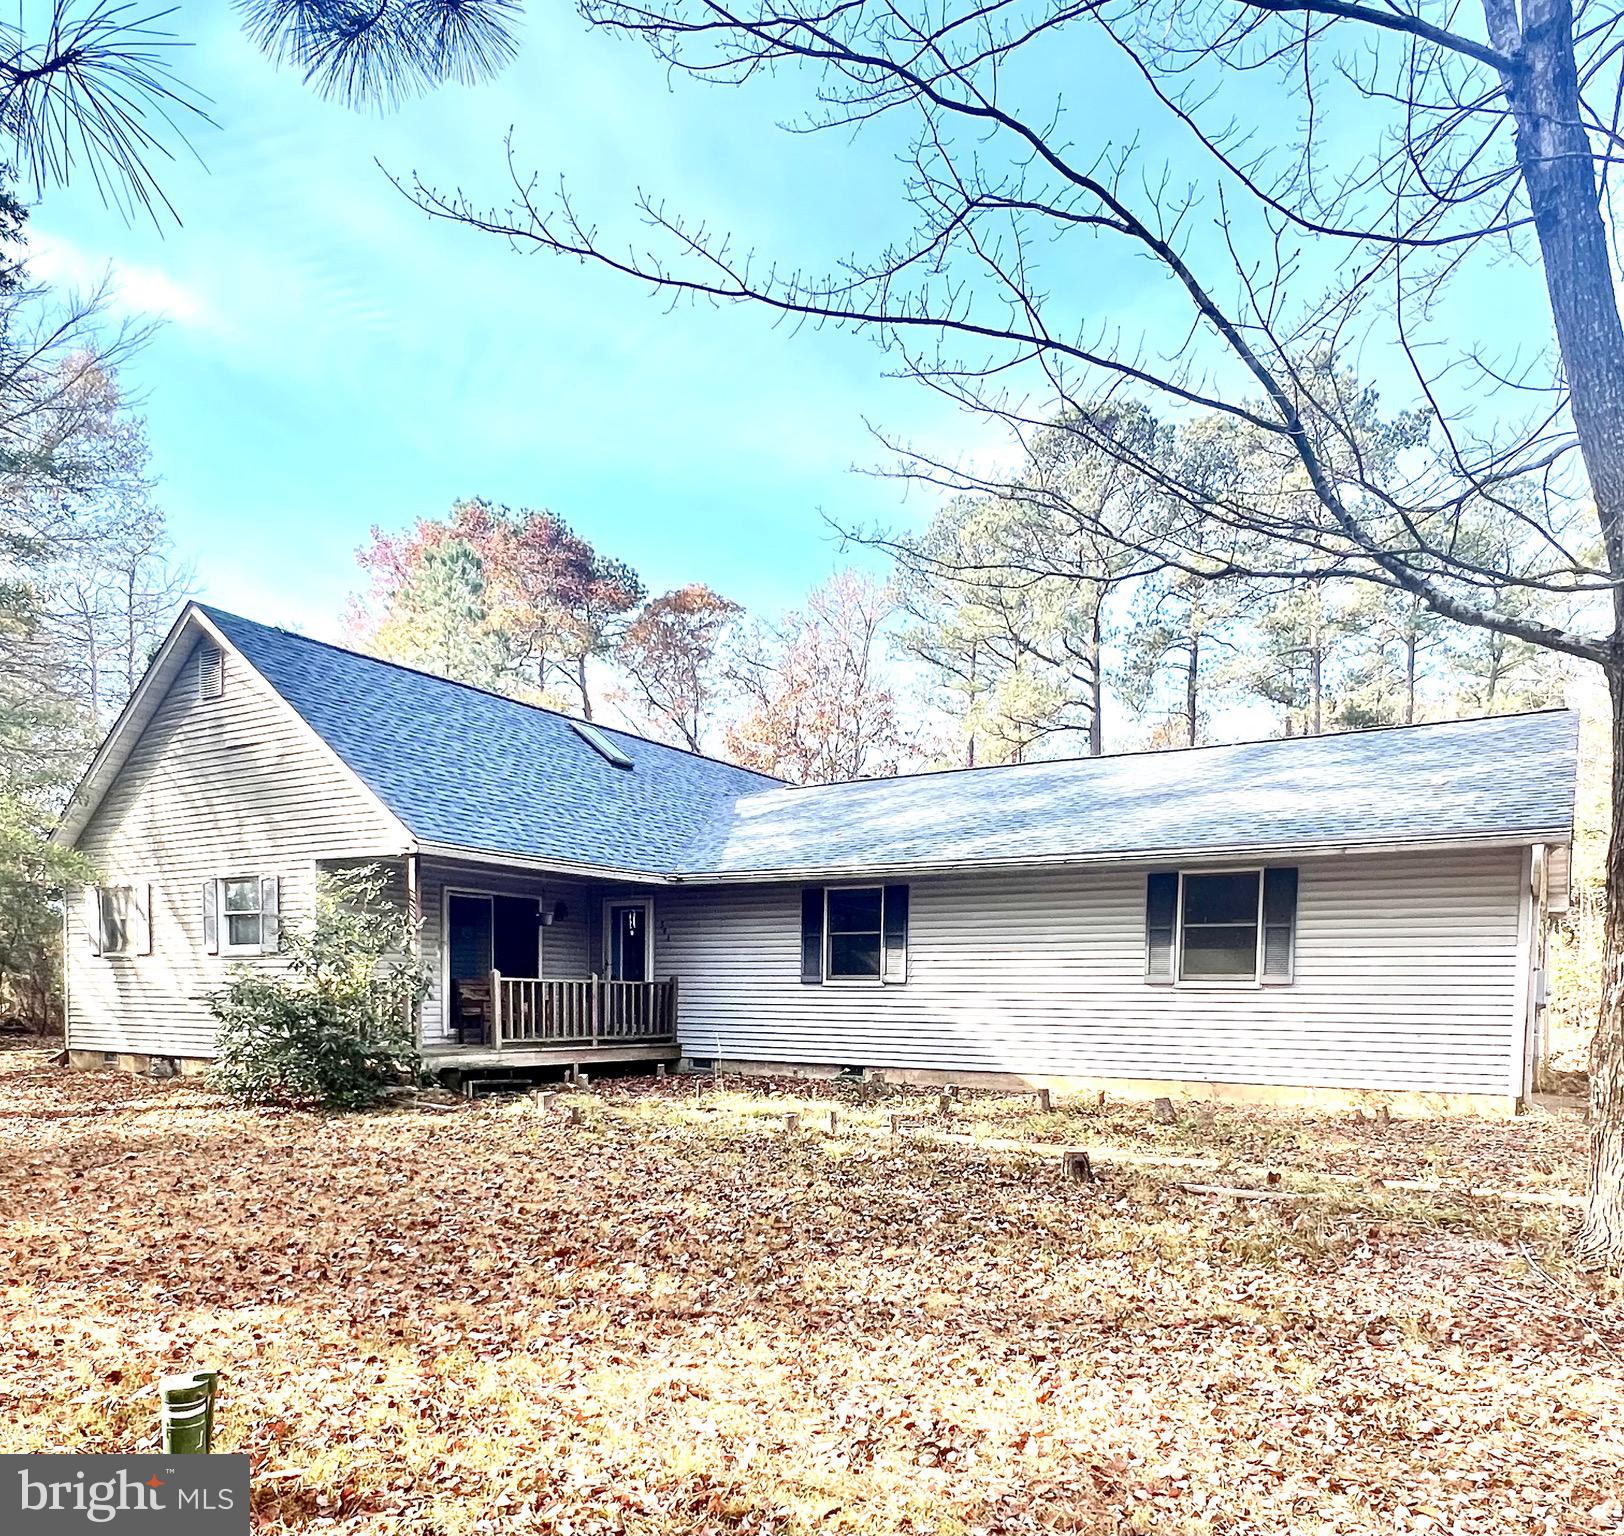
528 969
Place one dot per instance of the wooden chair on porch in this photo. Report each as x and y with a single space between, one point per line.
470 1011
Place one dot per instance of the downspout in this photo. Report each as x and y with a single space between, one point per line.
1539 885
67 1000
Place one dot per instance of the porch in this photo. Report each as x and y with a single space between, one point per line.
533 1021
537 970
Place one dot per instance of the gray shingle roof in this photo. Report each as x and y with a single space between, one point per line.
1504 777
462 766
469 768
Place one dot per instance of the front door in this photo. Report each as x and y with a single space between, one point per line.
627 929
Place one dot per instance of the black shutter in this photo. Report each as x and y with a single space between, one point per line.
1279 923
811 935
894 960
1161 916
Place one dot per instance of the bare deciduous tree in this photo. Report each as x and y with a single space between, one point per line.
816 704
1279 251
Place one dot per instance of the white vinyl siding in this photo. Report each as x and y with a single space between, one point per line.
214 787
1408 976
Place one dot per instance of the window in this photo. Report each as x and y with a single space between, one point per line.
1234 926
601 744
117 919
241 915
239 901
854 933
1218 927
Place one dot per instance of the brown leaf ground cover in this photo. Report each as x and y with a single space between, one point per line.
676 1316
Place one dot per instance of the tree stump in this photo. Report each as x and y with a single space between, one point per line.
1045 1102
1163 1112
944 1105
831 1122
792 1124
1075 1166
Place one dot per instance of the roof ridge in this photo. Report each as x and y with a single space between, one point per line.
1181 750
489 693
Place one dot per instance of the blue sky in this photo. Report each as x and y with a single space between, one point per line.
332 359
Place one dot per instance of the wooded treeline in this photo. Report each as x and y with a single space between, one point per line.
88 585
1010 629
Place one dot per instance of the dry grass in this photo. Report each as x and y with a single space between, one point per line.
676 1317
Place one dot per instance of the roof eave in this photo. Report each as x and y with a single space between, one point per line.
1139 858
569 867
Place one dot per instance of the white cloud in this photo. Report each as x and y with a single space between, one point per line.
134 290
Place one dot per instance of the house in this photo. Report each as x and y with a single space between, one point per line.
1318 917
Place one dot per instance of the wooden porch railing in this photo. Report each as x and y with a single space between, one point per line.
585 1010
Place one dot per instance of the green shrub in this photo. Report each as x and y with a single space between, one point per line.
338 1027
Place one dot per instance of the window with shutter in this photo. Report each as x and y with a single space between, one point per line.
242 915
118 919
861 934
1217 927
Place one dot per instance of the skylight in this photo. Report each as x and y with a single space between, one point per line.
601 744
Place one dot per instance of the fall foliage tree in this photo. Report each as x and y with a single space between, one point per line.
536 604
817 706
672 654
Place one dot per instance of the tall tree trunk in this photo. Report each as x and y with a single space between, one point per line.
1601 1238
974 695
580 683
1558 165
1096 684
1192 677
1316 667
1411 640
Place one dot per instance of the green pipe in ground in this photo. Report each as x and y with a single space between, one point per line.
187 1412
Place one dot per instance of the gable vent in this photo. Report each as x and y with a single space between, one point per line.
211 672
600 744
